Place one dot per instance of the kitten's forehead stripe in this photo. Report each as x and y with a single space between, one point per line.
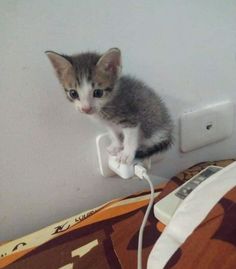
84 65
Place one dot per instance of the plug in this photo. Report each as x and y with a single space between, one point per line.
140 171
125 171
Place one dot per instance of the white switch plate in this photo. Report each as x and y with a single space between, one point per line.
207 125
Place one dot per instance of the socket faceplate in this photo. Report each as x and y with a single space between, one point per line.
102 142
207 125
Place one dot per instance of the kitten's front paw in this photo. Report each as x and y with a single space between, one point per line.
125 157
114 149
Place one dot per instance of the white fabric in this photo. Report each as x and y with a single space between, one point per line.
190 214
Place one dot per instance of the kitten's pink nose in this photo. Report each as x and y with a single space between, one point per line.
87 109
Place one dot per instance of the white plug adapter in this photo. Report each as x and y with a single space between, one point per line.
102 142
125 171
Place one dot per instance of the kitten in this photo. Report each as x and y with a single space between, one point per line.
138 120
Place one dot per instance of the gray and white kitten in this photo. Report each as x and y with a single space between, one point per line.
137 119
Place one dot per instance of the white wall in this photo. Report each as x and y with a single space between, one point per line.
186 50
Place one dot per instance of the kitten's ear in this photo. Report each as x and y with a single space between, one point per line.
110 63
64 69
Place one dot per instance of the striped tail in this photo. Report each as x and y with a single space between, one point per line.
157 148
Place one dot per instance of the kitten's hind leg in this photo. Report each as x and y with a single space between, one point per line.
116 141
131 138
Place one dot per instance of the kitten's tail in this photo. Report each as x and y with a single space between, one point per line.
145 152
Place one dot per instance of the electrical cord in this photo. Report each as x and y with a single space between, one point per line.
128 171
141 173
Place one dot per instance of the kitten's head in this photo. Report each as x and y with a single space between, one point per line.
88 78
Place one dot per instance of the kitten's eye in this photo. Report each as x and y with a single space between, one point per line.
73 94
98 93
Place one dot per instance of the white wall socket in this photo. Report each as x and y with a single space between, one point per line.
207 125
102 141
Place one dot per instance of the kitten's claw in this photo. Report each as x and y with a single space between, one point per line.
125 157
114 149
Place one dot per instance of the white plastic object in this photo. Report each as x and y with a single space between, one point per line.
125 171
190 215
207 125
166 207
102 142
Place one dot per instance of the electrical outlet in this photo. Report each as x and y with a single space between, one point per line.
102 142
207 125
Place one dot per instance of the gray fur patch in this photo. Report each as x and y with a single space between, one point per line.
134 103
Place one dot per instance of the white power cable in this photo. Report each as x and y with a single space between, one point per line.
141 172
128 171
